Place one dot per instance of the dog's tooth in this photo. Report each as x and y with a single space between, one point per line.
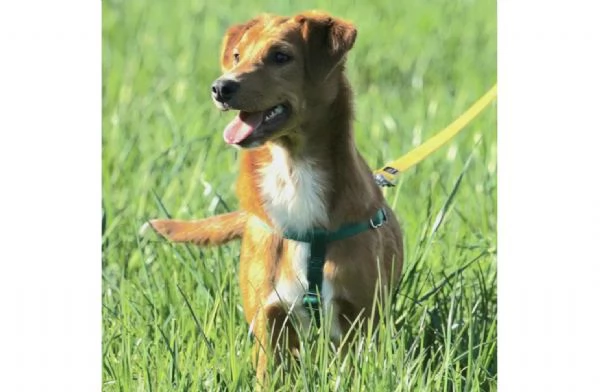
274 112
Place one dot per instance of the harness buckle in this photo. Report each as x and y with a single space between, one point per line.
378 224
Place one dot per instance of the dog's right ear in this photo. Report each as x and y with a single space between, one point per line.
230 41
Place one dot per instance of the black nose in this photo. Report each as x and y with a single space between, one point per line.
223 89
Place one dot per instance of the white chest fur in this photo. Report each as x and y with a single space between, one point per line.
293 193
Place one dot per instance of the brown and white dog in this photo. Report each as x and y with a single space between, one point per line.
300 170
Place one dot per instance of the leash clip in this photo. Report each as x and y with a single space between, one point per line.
378 224
381 181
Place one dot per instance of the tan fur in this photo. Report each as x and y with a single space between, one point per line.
216 230
318 135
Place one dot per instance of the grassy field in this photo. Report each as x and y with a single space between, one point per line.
172 317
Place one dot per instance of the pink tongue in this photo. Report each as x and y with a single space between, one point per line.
242 126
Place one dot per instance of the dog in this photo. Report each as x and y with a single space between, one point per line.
318 238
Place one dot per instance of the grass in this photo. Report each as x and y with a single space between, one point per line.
172 317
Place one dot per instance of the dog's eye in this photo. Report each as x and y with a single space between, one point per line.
236 57
281 58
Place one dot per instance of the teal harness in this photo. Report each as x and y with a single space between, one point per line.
318 240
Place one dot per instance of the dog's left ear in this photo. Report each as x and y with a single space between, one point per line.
327 41
230 41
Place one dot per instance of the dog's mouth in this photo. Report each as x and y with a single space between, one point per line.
250 129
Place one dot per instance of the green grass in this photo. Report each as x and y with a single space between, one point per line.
172 317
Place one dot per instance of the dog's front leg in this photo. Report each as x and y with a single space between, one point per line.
276 341
260 350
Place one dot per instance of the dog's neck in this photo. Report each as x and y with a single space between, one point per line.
324 182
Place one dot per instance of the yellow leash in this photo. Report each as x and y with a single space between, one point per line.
386 176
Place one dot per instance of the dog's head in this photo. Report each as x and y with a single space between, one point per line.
275 69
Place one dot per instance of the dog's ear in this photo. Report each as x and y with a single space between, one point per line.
327 41
230 41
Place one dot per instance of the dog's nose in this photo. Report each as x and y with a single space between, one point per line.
223 89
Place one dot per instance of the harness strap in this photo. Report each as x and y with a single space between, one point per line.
316 260
318 240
